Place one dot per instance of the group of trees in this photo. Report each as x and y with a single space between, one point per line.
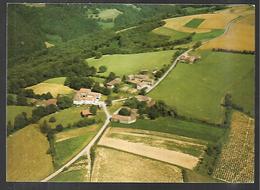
233 51
101 89
159 109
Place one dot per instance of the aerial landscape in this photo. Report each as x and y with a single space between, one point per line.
130 93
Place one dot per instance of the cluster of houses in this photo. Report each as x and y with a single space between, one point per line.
141 81
189 58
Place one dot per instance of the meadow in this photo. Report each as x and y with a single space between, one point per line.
198 89
66 149
57 80
54 89
132 63
27 155
13 111
169 125
194 23
69 116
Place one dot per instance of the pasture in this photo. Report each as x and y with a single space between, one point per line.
54 89
109 14
69 116
194 23
27 158
108 168
13 111
236 163
57 80
240 35
202 132
74 142
198 89
127 64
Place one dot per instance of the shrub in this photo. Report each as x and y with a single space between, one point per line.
124 111
59 128
52 120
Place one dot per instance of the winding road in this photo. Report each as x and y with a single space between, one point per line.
86 150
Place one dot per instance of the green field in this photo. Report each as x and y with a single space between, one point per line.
58 80
13 111
198 89
109 14
70 176
69 116
194 23
179 127
66 149
132 63
208 35
173 34
27 157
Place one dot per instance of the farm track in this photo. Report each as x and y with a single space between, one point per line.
86 150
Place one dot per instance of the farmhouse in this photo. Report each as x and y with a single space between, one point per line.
85 96
150 102
85 113
141 81
112 83
189 58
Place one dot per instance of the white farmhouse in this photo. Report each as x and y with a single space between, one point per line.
85 96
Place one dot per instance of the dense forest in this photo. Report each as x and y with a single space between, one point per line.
77 36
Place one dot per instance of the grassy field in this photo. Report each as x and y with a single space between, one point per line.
54 89
240 36
27 159
66 149
77 172
70 116
13 111
178 127
236 163
132 63
175 35
108 168
109 14
198 89
57 80
194 23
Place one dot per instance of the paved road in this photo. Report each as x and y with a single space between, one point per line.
86 150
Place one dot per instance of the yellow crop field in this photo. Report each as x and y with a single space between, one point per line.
54 89
27 158
240 36
212 21
236 163
116 166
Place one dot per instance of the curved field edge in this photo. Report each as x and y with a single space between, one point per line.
27 155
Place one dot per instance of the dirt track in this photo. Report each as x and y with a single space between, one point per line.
169 156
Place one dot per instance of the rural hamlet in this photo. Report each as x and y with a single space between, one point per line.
132 93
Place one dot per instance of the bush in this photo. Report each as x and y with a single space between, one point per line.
102 69
85 122
124 111
59 128
64 102
52 120
93 109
